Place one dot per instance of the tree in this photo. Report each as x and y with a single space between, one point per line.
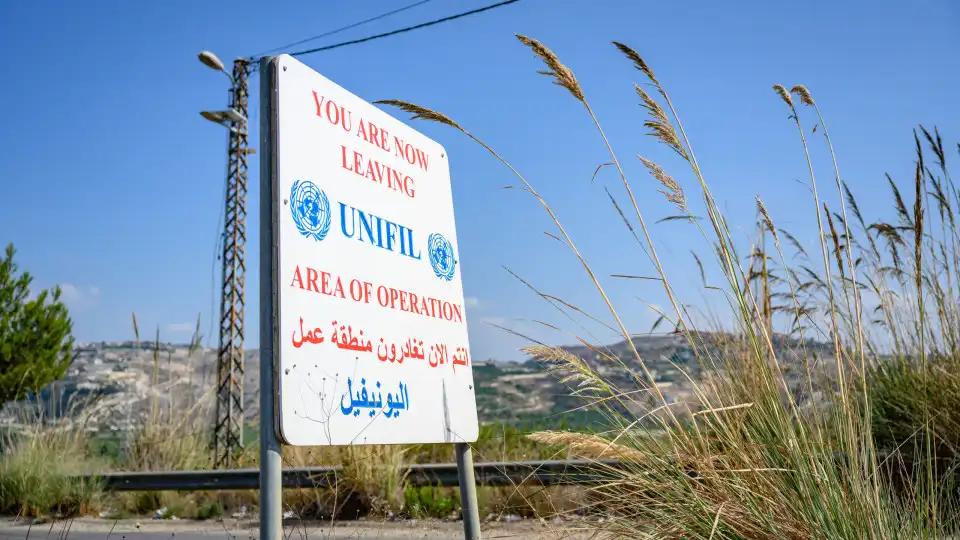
36 346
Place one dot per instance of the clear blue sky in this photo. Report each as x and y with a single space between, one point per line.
111 183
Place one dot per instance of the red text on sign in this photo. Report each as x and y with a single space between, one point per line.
335 114
411 154
354 162
339 115
375 135
320 282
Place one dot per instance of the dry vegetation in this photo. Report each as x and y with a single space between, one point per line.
862 448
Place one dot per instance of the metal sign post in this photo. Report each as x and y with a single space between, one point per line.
468 492
363 326
271 512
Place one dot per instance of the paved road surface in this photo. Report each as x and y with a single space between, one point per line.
8 534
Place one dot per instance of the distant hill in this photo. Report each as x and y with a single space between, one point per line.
120 383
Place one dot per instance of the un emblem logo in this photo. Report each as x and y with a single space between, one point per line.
441 256
311 210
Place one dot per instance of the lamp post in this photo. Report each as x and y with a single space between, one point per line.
211 60
228 424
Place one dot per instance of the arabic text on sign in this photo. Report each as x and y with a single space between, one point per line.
314 336
374 402
346 340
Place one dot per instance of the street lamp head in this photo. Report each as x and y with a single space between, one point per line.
224 117
210 60
213 116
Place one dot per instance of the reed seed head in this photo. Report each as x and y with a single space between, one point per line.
585 445
562 75
918 219
767 222
835 236
672 189
637 60
804 95
658 124
420 113
784 95
573 368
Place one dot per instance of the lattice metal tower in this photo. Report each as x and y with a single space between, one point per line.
228 429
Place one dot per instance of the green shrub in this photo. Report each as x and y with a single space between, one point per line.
36 346
431 501
209 509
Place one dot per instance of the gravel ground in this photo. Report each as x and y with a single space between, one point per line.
232 529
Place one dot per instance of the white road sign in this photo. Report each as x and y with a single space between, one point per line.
372 345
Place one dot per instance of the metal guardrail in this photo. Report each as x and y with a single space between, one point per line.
546 473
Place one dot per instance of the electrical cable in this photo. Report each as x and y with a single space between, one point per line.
341 29
370 38
407 29
213 273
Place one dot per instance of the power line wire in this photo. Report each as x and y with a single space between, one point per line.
348 27
407 29
213 275
385 34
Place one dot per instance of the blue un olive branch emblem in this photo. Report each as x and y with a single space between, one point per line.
311 209
441 256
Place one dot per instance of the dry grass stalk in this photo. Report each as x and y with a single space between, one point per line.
724 409
856 316
841 372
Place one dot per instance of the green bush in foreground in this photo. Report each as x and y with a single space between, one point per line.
915 417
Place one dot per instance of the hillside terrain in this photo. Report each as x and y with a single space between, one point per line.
117 385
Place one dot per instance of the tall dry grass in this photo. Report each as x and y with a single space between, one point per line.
41 456
38 463
174 434
771 446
